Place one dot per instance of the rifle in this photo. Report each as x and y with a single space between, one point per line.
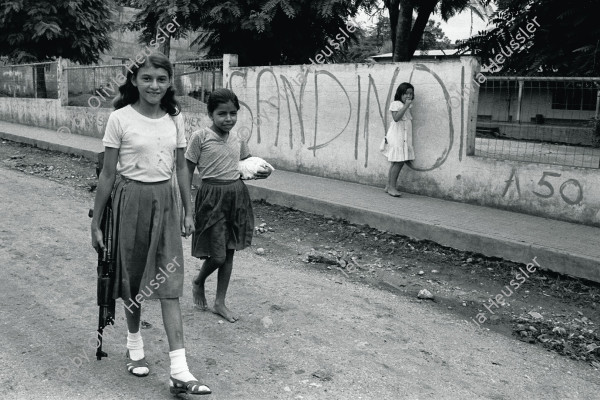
106 269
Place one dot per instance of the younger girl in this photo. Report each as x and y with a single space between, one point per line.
144 139
399 146
224 221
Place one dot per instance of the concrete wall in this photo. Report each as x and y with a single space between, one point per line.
49 113
329 120
18 81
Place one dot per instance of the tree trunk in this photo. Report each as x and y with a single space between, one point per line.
471 29
420 23
166 47
403 28
393 7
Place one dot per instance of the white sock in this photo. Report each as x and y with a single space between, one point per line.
135 345
179 367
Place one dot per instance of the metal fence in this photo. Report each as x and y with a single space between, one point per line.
94 86
540 119
36 80
193 81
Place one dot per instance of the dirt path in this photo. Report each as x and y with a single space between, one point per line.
302 334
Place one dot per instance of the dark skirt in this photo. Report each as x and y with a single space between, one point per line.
223 219
148 249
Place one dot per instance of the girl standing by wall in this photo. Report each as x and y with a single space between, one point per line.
397 146
144 138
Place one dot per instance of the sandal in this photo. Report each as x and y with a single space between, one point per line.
191 387
131 365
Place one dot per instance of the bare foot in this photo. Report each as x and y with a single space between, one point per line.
394 193
224 312
199 298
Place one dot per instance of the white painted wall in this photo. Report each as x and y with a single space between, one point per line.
332 126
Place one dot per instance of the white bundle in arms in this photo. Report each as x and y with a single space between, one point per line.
251 165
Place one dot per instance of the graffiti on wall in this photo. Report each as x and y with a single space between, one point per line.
550 184
192 124
357 100
13 83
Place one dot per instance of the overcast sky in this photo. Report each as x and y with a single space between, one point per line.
458 26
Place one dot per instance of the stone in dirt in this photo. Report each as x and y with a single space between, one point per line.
323 375
260 251
321 259
425 294
535 315
267 321
559 330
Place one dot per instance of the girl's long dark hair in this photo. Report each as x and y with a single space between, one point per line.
129 94
404 86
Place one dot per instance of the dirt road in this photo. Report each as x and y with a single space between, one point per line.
302 334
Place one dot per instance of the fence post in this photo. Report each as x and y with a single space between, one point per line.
63 81
598 102
14 86
229 60
520 100
35 83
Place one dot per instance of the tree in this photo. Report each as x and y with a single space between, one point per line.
156 14
377 39
368 44
406 35
434 38
565 41
260 32
42 30
481 9
289 31
127 3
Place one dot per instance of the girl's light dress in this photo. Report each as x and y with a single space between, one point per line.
399 137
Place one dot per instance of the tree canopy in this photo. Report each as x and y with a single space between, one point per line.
41 30
406 33
434 38
377 40
566 43
260 32
293 31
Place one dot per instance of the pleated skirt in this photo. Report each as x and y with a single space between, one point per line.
224 219
147 240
